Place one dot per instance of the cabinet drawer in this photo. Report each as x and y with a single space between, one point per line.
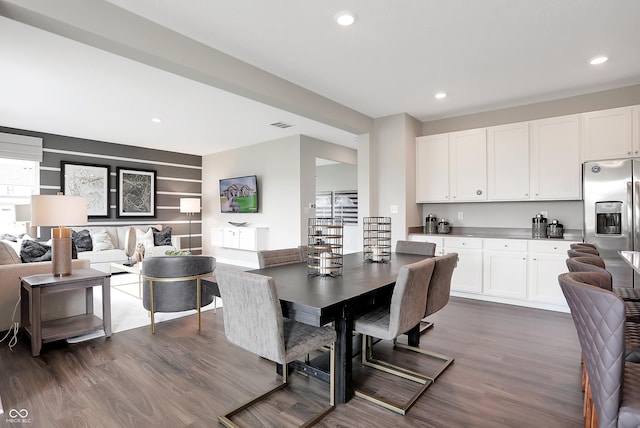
461 242
550 247
505 245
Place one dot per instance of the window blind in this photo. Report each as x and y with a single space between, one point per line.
13 146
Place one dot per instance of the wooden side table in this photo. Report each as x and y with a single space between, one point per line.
35 288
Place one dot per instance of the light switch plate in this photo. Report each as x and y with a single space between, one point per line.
394 209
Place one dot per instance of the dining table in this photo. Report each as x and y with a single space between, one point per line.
319 300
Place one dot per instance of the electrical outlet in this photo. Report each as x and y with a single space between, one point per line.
460 216
394 209
544 213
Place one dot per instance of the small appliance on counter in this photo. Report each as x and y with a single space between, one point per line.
443 226
555 229
539 227
431 224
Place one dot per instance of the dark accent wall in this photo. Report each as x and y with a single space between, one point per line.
178 175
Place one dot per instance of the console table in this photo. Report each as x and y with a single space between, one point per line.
35 288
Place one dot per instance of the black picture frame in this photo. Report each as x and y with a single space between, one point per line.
90 181
136 192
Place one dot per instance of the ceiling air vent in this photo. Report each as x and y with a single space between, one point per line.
281 125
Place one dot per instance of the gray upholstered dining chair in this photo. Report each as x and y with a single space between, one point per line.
437 298
173 284
253 320
583 246
416 247
581 252
599 317
285 256
408 302
593 263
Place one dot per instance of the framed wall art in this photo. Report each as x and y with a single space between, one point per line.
90 181
136 192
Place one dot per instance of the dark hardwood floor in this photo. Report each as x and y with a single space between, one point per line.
515 367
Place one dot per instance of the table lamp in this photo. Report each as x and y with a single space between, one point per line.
55 210
190 206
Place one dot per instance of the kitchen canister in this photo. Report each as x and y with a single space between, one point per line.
431 224
555 229
443 226
538 227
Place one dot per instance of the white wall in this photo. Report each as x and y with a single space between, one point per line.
286 186
340 176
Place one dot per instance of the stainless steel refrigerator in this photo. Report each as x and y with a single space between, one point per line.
611 193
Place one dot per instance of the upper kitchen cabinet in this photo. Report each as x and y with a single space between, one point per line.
468 165
508 162
555 158
452 167
607 134
432 168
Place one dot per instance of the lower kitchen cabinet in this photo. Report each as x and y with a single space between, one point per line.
521 272
505 268
546 261
467 276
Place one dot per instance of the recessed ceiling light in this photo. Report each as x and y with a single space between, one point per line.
598 60
440 95
156 120
345 18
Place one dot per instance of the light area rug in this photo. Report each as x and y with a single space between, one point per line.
127 311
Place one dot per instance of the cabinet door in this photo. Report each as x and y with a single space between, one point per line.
468 165
217 237
508 162
635 113
247 239
432 168
555 158
467 276
543 278
505 274
231 238
607 134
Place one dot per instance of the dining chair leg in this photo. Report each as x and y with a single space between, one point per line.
447 361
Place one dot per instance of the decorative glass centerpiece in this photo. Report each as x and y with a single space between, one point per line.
324 246
376 239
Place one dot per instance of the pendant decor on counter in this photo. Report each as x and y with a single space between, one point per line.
376 239
325 246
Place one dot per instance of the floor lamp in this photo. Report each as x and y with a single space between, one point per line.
190 206
56 210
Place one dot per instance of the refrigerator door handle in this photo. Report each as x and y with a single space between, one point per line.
636 215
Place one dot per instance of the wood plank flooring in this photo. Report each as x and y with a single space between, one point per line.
514 367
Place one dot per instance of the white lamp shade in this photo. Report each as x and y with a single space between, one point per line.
190 205
58 210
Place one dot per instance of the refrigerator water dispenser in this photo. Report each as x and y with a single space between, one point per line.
609 218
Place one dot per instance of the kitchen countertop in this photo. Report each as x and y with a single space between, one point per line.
498 233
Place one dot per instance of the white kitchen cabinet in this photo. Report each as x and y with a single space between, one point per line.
452 167
547 260
508 162
635 114
432 168
555 158
438 240
468 165
607 134
467 276
505 268
241 238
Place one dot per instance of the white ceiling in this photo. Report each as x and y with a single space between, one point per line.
485 54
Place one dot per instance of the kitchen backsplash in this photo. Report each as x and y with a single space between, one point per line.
506 214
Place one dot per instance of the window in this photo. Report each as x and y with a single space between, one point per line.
342 203
19 180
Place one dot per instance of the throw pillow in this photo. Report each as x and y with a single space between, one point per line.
8 255
161 237
82 240
144 238
34 251
8 237
102 241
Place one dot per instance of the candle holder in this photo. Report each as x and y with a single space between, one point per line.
324 246
376 239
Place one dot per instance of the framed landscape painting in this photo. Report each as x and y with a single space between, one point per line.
90 181
136 192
